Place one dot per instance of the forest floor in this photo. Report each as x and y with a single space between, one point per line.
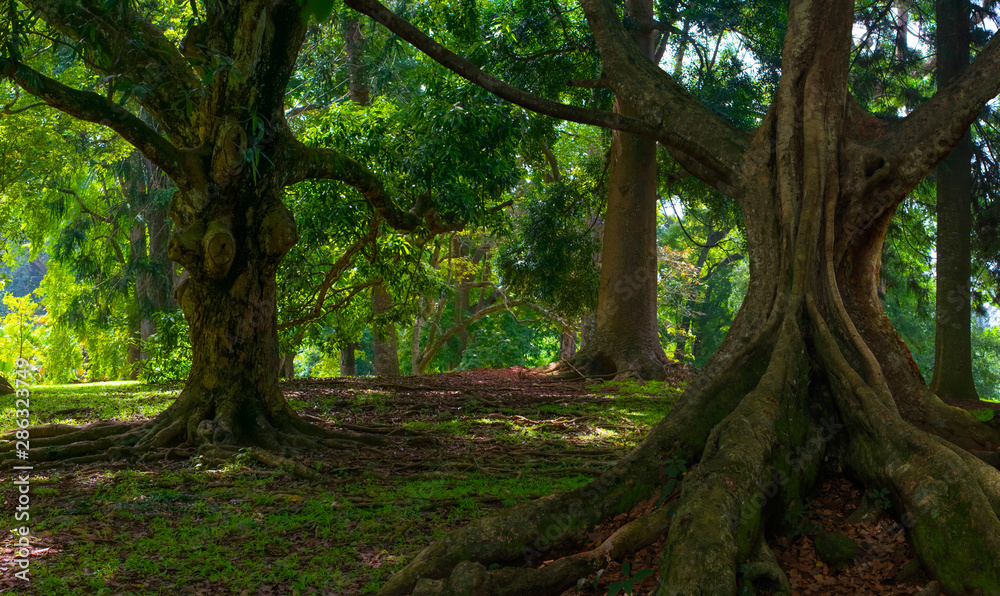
460 445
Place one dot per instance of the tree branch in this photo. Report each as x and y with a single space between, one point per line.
917 144
332 275
124 43
588 83
98 216
89 106
501 89
701 141
433 349
315 162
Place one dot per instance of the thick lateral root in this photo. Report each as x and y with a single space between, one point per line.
528 530
64 434
719 514
113 441
764 575
952 424
289 465
319 432
948 498
472 578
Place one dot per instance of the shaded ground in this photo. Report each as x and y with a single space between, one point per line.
460 445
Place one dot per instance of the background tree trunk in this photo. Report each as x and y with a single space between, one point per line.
347 362
953 307
386 359
626 341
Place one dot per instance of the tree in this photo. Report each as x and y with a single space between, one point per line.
218 100
811 374
953 310
626 340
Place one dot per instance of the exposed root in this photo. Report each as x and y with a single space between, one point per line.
289 465
745 467
948 499
62 434
527 531
178 428
763 574
470 577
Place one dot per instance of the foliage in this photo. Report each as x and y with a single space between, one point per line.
879 498
986 361
20 337
501 340
670 476
63 356
550 257
168 350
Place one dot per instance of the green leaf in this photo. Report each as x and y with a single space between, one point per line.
641 575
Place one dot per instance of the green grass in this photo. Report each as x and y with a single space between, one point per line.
78 403
234 527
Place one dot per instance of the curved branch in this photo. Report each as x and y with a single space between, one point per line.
914 146
87 210
702 142
127 44
89 106
501 89
316 162
432 349
332 276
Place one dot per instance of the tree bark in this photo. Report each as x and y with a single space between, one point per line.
626 342
386 359
567 343
347 362
952 379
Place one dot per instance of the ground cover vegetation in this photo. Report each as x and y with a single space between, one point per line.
796 201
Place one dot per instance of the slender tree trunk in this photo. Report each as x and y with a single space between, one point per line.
953 309
386 358
418 324
137 252
588 328
286 366
347 362
567 344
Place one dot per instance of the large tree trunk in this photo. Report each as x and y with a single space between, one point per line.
626 342
223 139
953 309
811 375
